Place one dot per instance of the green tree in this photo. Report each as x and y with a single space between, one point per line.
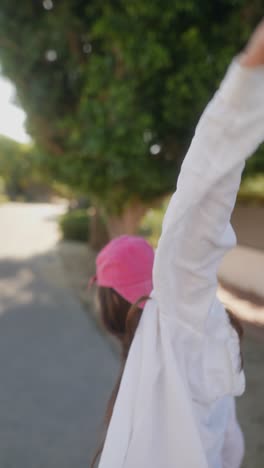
15 166
113 89
21 171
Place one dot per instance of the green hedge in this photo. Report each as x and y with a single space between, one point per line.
75 225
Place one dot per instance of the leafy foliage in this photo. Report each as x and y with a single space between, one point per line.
74 225
22 173
113 89
16 166
252 188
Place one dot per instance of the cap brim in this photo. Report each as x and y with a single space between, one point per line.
132 293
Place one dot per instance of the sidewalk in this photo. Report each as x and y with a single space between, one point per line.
56 369
243 270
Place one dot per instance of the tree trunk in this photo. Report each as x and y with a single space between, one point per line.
128 221
98 231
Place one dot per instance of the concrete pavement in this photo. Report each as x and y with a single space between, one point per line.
56 369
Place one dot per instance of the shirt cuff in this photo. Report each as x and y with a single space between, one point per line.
243 87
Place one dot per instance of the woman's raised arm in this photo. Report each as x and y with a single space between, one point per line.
196 229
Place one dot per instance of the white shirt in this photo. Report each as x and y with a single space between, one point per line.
175 406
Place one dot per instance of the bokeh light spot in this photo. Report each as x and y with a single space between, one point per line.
87 48
155 149
51 55
47 4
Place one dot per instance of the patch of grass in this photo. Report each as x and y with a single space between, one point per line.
252 189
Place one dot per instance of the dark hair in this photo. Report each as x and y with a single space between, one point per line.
236 324
121 319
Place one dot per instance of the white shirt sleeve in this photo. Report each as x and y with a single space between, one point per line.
196 230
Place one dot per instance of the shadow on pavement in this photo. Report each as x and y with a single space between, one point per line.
52 395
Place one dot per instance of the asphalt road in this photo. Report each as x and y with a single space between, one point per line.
56 369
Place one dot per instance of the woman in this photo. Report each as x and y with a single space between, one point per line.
175 401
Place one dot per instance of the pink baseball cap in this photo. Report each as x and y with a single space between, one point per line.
125 265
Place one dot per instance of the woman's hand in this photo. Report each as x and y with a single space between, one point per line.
253 55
